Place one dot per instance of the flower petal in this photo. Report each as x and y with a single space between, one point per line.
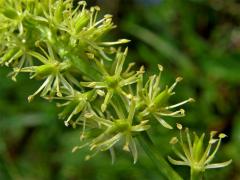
177 162
218 165
163 122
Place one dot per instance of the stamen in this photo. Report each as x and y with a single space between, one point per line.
178 113
131 111
59 94
179 104
63 104
163 122
210 158
130 65
189 140
174 84
106 100
79 147
150 89
83 4
156 84
83 130
97 9
47 81
120 61
120 41
126 145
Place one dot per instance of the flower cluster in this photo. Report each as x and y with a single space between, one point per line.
26 23
62 45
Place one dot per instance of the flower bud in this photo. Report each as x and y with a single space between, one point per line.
9 13
58 14
45 70
81 21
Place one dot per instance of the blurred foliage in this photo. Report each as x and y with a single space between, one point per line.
197 39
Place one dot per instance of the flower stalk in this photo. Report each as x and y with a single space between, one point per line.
196 174
154 154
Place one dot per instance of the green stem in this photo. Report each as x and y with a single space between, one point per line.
196 174
162 165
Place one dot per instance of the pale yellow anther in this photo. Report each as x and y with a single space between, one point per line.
178 79
37 43
174 140
30 98
113 49
107 16
84 3
87 157
129 96
97 8
66 123
92 9
213 133
93 147
131 64
160 67
212 141
122 41
103 107
88 115
100 92
75 148
179 126
191 100
182 111
126 148
90 55
82 137
92 84
222 135
141 70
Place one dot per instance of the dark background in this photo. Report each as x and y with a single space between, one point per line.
196 39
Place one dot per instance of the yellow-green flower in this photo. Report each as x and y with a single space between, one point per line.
52 70
114 131
75 103
194 153
114 81
153 100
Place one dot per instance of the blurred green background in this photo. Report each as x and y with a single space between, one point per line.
196 39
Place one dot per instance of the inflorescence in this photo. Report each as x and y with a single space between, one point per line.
62 46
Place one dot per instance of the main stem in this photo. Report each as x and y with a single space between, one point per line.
196 174
162 165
